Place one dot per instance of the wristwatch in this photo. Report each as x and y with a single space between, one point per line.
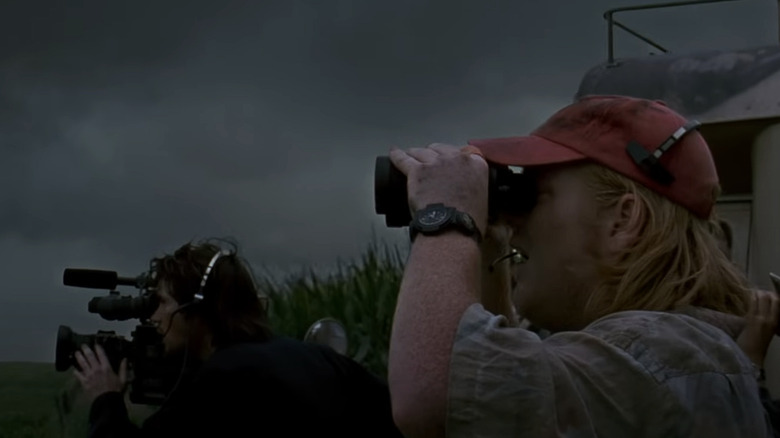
437 218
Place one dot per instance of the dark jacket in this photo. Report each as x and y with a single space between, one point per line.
772 408
279 388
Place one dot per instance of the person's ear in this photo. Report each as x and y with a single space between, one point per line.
624 223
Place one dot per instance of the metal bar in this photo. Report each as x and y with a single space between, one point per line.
608 15
636 34
664 5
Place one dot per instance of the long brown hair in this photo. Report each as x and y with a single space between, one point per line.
232 307
675 263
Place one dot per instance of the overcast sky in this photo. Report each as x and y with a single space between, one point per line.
130 128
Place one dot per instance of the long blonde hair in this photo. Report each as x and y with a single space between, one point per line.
676 262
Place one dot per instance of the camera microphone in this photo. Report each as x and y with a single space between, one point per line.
95 279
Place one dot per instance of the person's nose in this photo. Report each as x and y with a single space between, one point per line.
155 319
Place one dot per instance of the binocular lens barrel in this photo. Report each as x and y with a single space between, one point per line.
390 197
508 192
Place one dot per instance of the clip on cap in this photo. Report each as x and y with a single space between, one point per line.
649 162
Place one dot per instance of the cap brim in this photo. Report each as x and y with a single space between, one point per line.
531 150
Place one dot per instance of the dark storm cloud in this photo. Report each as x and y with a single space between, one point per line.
128 128
126 118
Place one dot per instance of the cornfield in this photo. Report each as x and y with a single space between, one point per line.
361 295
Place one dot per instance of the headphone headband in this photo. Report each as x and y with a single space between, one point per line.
199 296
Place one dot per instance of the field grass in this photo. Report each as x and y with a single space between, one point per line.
360 294
36 401
28 393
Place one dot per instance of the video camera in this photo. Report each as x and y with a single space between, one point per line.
150 375
510 190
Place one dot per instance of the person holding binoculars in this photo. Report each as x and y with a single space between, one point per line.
611 238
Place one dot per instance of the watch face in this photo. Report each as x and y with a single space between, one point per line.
433 217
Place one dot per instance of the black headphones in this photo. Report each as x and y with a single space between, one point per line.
198 297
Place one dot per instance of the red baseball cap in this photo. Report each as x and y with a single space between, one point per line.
644 140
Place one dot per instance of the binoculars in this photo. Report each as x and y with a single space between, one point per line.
508 192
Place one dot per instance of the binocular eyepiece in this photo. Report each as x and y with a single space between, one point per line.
508 192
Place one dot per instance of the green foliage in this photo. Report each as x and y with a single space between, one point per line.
28 398
36 401
361 295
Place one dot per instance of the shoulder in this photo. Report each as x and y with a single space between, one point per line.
671 344
283 356
626 328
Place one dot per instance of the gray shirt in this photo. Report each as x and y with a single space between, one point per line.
629 374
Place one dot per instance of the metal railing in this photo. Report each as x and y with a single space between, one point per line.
612 23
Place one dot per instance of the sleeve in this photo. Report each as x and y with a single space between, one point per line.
197 409
108 418
508 382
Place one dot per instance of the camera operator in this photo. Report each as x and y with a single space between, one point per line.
618 261
245 380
